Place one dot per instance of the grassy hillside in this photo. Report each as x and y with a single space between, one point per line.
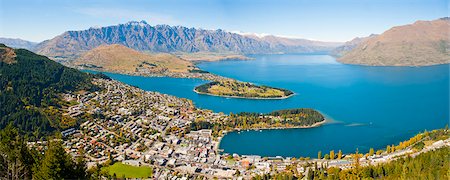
118 58
242 90
30 91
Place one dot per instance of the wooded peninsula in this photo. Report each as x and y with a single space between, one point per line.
290 118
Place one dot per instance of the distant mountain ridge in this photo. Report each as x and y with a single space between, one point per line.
163 38
419 44
350 45
18 43
295 45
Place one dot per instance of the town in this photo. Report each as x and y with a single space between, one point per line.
140 128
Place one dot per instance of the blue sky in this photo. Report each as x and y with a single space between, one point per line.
327 20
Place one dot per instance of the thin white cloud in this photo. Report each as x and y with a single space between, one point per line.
127 15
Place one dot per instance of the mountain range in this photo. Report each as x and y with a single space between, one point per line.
164 38
419 44
18 43
350 45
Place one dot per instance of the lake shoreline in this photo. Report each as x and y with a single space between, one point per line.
201 76
219 139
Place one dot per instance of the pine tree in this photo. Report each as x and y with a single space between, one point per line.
319 155
16 160
80 167
57 164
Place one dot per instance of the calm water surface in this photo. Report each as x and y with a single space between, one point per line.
367 106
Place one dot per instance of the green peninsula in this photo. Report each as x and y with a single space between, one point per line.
237 89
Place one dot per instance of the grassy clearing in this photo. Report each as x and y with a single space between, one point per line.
128 171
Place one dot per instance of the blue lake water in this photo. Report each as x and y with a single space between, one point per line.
368 106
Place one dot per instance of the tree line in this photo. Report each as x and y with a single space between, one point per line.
245 120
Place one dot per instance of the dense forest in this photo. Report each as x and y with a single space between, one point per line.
280 119
242 89
17 161
30 90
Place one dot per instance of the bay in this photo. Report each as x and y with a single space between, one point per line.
366 106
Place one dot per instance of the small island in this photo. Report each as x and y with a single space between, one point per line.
237 89
289 118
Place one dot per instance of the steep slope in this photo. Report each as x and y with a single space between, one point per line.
419 44
18 43
160 38
350 45
30 91
118 58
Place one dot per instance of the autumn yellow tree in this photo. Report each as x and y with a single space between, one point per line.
371 152
339 156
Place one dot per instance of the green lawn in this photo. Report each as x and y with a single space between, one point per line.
128 170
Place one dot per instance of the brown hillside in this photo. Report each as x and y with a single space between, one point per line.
118 58
419 44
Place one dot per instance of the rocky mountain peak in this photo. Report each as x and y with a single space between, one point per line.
137 23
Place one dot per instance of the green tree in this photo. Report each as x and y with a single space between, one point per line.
16 160
57 164
319 155
332 155
80 167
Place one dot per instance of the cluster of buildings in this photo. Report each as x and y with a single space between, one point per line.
126 124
